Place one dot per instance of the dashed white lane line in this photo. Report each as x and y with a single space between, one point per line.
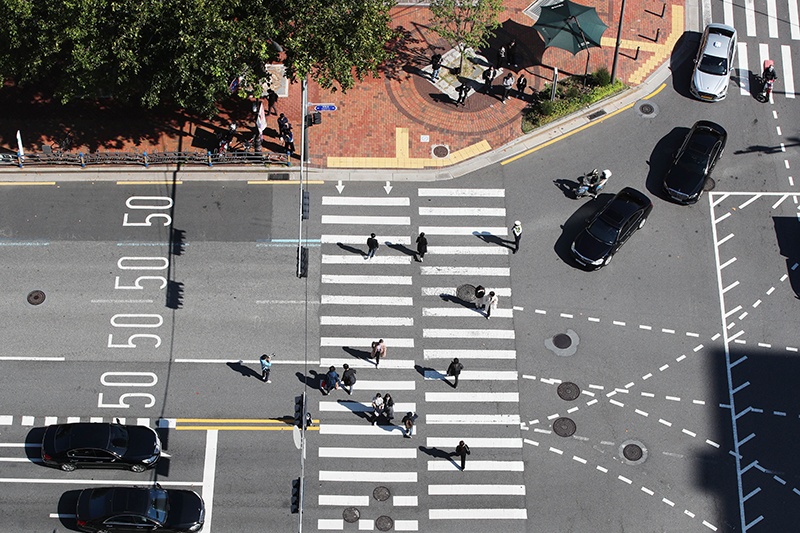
618 323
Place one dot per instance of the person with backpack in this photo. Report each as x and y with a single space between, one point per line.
348 378
408 424
331 381
454 370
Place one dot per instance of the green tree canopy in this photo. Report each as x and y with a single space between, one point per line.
186 52
465 23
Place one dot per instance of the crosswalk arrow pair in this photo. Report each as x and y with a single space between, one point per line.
387 187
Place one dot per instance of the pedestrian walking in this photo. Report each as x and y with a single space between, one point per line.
348 378
272 99
378 351
377 408
516 230
488 78
462 450
522 84
511 49
463 91
408 424
436 64
501 57
422 247
508 83
454 370
491 304
288 142
372 245
266 363
331 381
283 124
480 294
388 407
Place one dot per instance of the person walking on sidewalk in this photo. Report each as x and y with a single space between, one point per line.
283 124
491 304
272 99
501 57
348 378
422 247
454 370
331 381
511 49
377 408
408 424
372 245
463 91
378 351
266 363
516 230
436 65
508 84
488 78
388 407
522 84
462 450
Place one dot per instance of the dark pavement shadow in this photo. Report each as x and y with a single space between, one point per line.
574 225
456 300
402 249
787 232
568 187
351 406
422 369
312 381
351 249
682 63
488 238
439 454
358 354
244 370
661 158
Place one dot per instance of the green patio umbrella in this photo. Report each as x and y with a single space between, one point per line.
570 26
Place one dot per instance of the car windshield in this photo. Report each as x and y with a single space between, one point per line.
718 66
693 161
603 232
159 505
118 439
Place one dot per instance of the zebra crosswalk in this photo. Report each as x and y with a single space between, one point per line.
414 307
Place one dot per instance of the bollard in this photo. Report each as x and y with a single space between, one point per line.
83 161
145 161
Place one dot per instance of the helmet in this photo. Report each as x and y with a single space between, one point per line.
606 174
517 223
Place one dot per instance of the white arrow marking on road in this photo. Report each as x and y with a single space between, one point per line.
340 187
387 188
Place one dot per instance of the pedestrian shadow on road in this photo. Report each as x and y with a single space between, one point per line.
568 187
488 238
351 249
313 380
358 354
356 408
402 249
244 370
438 454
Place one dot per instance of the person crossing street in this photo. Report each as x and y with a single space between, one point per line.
454 370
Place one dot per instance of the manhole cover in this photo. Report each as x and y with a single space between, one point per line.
381 494
351 514
562 341
709 184
466 292
384 523
564 427
646 109
632 452
441 151
36 297
568 391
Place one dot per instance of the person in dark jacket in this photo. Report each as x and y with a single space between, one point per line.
348 378
388 407
454 370
331 380
422 247
462 450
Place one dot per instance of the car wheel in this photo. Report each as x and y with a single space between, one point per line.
138 468
68 467
641 224
607 260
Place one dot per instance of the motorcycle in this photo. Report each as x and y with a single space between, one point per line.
226 138
766 84
591 183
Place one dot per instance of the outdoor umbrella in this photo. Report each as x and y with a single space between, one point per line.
570 26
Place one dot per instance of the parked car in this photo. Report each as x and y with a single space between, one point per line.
686 178
129 509
712 67
100 445
609 228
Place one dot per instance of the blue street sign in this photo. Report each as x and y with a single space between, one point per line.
328 107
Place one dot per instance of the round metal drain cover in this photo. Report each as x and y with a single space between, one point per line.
36 297
646 109
351 514
568 391
441 151
709 184
562 341
384 523
381 494
466 292
632 452
564 427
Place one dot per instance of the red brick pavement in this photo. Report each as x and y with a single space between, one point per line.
367 116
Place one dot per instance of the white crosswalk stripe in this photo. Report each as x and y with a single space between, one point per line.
359 260
460 193
362 239
355 279
469 354
463 230
468 333
387 363
366 321
368 477
361 407
510 419
501 292
464 489
332 299
482 397
750 17
367 201
368 453
744 71
468 250
460 211
794 20
788 74
474 442
480 466
359 342
365 220
464 312
477 375
464 271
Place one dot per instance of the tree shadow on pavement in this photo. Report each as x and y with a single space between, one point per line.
244 370
406 55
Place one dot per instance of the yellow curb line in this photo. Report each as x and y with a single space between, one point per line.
551 141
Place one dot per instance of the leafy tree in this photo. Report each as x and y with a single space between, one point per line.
465 23
186 52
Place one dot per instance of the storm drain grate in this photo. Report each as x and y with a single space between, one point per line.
597 114
564 427
381 494
384 523
562 341
36 297
441 151
632 452
351 514
646 109
568 391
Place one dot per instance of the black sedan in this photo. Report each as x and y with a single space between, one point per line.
100 445
610 227
128 509
691 169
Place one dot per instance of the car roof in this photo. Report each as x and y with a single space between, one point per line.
82 435
623 205
719 40
111 501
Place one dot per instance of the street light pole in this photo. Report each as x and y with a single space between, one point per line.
619 41
304 104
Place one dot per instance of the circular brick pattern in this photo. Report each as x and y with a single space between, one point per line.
568 391
564 427
36 297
